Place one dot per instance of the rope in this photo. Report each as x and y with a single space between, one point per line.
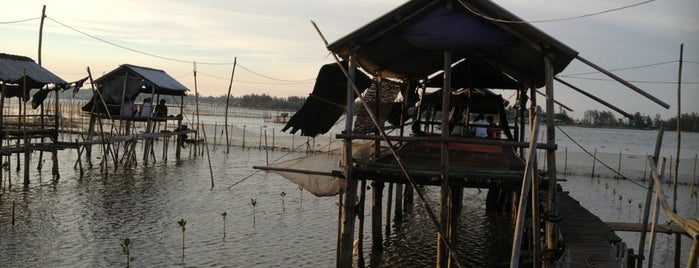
600 161
551 20
18 21
167 58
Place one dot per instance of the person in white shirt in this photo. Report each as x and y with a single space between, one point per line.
480 126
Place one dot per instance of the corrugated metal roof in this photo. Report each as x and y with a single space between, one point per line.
13 68
164 83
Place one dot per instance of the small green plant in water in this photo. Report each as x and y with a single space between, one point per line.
224 214
301 194
253 203
183 225
6 166
283 194
126 248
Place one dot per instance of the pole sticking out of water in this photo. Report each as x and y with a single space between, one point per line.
594 161
694 174
618 168
565 162
206 143
645 167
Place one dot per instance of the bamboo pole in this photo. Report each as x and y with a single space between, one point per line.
208 156
678 238
552 198
649 195
694 175
215 131
41 33
376 209
565 162
618 168
594 161
442 252
360 225
389 207
196 106
228 103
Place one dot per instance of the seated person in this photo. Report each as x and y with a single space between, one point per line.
146 108
161 109
129 108
480 128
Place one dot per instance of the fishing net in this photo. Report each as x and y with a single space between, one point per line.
333 160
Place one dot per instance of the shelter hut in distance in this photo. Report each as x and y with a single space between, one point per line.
19 75
116 92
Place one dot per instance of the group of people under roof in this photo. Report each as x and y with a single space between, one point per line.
129 109
481 127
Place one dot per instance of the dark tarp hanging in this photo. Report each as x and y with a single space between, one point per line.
326 103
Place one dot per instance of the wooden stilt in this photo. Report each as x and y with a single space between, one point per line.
376 211
389 206
360 227
399 202
350 206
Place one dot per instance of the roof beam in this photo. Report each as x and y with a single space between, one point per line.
623 82
594 98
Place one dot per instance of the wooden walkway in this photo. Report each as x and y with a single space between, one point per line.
587 240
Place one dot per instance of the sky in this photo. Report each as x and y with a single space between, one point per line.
279 53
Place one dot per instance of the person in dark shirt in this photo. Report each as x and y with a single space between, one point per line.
161 109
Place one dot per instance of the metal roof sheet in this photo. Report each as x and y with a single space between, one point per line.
164 83
13 69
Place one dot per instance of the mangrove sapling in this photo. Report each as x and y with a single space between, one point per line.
283 194
126 248
224 224
640 210
301 195
253 203
183 225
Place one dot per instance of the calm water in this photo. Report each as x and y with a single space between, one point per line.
80 222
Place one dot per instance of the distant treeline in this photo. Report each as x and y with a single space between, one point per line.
254 101
264 101
595 118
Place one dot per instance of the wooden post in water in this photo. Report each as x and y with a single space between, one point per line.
594 161
678 238
552 198
244 126
389 207
349 208
646 210
398 215
445 188
618 168
694 174
565 162
376 210
215 131
360 227
228 103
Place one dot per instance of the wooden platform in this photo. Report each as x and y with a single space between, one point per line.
470 165
587 239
